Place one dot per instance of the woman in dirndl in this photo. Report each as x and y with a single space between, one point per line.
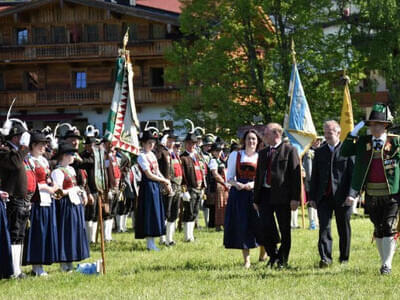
238 230
150 217
6 266
72 238
218 187
42 238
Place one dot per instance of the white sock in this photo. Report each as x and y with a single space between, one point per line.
185 230
170 232
293 220
16 258
124 222
93 232
89 228
379 245
206 213
191 231
354 206
389 246
118 222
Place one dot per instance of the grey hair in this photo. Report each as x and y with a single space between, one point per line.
332 122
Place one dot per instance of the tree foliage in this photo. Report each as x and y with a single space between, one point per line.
233 67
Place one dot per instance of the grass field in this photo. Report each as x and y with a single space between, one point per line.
205 270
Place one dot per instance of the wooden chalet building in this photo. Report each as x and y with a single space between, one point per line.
57 57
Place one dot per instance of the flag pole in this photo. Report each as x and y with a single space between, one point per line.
293 53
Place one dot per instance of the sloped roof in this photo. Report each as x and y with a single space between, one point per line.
167 5
154 12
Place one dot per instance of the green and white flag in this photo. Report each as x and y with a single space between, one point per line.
123 124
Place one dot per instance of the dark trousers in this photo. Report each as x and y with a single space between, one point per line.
17 214
325 209
275 231
91 210
172 203
383 212
191 208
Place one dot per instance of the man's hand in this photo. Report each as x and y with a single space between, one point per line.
349 201
294 204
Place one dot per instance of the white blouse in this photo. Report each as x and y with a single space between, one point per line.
231 173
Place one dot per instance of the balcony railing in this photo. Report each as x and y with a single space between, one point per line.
83 97
80 50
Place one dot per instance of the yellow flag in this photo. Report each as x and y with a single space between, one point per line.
346 118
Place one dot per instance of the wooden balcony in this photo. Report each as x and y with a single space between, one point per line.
82 98
79 51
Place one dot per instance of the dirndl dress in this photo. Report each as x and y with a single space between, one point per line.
41 243
150 215
72 238
239 232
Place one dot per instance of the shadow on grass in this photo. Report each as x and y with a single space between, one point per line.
120 245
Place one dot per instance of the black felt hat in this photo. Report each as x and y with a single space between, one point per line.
148 135
72 134
38 137
380 114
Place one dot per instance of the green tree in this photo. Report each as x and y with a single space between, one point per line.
375 30
233 67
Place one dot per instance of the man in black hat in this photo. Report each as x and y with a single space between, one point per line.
171 168
193 181
377 170
14 181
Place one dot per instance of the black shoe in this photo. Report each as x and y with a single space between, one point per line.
385 270
324 264
282 265
272 261
20 276
172 243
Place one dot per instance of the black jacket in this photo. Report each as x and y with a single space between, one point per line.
324 164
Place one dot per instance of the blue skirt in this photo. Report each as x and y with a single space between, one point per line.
72 240
238 230
6 267
150 217
41 244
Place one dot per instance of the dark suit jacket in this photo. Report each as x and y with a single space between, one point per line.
285 175
341 168
164 161
12 171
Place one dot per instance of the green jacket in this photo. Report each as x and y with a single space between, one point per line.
361 147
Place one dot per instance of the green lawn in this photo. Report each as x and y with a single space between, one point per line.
205 270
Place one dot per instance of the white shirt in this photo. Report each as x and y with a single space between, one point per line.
58 176
231 173
144 158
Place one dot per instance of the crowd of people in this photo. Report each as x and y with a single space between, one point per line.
49 198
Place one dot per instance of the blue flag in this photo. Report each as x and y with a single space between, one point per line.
299 125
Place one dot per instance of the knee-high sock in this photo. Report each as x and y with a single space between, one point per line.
293 221
379 245
170 232
388 247
93 233
206 213
16 258
89 228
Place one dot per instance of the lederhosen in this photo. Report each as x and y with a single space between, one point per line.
113 192
218 194
191 207
381 205
18 210
176 177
